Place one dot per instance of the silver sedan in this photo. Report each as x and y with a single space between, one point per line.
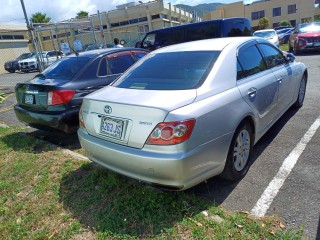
191 111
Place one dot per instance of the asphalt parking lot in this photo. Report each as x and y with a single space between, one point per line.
285 174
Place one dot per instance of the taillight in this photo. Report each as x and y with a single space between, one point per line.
60 96
169 133
81 121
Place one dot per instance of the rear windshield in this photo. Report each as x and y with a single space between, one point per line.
169 71
65 68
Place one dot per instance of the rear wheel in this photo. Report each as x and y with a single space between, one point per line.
239 155
11 71
301 92
290 48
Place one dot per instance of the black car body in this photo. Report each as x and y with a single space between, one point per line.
52 99
12 66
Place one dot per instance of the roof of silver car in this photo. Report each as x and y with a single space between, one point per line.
214 44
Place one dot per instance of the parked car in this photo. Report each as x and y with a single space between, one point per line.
31 63
190 111
225 27
268 34
282 27
306 36
284 35
12 66
52 99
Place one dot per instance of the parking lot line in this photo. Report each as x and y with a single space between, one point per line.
274 186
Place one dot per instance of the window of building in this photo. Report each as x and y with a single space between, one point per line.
143 29
7 37
124 23
274 25
257 15
276 12
306 20
293 23
46 38
143 19
292 8
155 16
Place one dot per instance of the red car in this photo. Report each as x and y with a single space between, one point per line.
305 36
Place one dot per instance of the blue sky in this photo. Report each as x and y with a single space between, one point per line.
58 10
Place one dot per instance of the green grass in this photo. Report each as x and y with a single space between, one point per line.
2 97
47 194
284 47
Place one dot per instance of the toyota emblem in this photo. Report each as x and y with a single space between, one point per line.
107 109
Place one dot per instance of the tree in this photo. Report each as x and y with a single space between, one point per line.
40 18
82 14
263 23
285 23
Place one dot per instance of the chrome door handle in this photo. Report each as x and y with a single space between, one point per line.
252 92
279 79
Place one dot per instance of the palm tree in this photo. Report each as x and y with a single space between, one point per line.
82 14
39 18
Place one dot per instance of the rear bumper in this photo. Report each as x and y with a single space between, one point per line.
174 170
67 121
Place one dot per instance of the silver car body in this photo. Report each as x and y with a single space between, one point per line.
218 106
269 34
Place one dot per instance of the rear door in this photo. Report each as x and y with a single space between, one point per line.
283 73
258 85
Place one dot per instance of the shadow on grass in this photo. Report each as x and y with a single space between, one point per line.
117 206
21 141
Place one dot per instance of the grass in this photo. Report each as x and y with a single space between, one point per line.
45 194
2 97
284 47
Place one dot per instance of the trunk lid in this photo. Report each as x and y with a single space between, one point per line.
128 116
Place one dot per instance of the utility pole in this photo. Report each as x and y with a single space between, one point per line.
31 35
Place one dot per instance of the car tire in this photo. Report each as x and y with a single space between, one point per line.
11 71
301 93
290 48
295 50
239 154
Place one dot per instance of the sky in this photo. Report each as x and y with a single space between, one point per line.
59 10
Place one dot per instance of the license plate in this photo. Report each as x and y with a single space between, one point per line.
29 99
111 127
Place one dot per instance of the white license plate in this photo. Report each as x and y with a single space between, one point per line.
112 127
29 99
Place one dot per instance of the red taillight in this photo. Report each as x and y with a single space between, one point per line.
169 133
60 96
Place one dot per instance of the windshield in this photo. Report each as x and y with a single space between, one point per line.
23 56
169 71
264 34
65 68
310 28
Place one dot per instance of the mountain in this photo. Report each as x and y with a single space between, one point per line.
200 8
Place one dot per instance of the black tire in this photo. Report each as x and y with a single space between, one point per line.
237 165
11 71
295 50
290 48
301 93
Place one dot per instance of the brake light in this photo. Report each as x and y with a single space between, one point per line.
60 97
170 133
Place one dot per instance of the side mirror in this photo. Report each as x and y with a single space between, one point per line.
290 57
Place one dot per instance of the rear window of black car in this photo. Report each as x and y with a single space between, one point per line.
65 68
169 71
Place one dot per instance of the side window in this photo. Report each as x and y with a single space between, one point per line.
251 60
272 55
137 55
120 63
202 31
240 73
102 71
168 37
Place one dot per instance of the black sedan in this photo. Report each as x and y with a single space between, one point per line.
12 66
52 99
